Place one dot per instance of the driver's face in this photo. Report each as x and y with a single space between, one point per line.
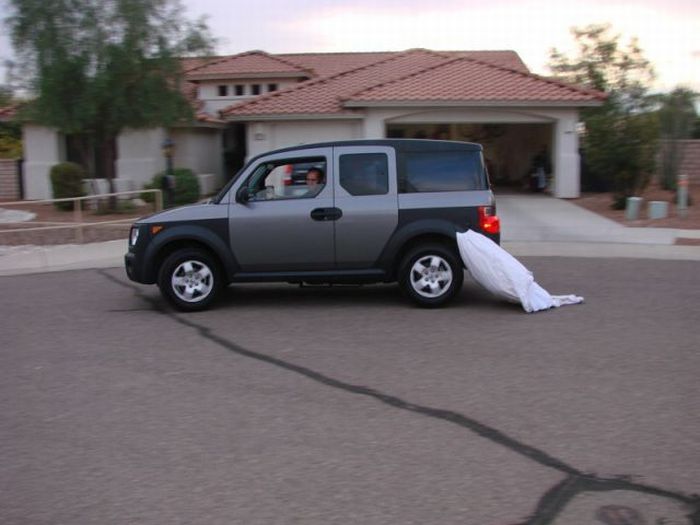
313 178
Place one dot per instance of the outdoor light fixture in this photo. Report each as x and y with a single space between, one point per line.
168 146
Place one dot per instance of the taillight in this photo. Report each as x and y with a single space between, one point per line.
488 220
288 169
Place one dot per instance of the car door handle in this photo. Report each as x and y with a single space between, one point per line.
326 214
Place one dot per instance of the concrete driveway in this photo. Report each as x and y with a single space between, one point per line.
542 218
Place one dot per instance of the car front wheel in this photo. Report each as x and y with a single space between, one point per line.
190 279
431 275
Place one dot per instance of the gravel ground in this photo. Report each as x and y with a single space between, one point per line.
62 225
600 203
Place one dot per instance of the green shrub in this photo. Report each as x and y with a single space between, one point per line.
186 187
67 181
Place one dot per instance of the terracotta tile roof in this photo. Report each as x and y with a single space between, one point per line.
249 64
468 79
195 62
322 96
416 75
507 59
324 64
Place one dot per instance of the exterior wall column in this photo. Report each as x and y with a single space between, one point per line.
565 158
43 147
373 125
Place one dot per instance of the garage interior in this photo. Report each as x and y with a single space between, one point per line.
510 150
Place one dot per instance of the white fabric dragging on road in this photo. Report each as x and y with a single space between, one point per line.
503 275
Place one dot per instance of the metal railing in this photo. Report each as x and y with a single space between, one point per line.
78 223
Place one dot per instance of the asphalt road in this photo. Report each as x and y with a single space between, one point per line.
288 405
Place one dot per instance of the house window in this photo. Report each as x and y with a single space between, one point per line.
272 87
239 90
223 91
256 89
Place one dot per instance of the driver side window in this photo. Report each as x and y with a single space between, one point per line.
300 178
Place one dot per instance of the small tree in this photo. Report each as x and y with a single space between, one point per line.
98 67
620 138
67 181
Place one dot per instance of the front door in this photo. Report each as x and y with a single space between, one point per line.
287 223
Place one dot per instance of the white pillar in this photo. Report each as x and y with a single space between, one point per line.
374 123
43 147
565 157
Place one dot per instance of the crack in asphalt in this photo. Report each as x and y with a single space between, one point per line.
552 503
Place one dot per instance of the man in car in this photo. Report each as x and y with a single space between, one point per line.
314 182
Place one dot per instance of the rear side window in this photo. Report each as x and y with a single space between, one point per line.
442 171
364 173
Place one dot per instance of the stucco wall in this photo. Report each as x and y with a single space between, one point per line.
140 155
208 91
266 136
43 147
199 149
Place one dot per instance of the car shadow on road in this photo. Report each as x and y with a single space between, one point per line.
289 296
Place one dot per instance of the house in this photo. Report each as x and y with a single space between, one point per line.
253 102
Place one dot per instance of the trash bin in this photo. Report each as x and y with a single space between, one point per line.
632 208
658 209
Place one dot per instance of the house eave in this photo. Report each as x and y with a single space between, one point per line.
292 116
232 77
472 103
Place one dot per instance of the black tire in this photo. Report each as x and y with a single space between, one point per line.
431 275
190 279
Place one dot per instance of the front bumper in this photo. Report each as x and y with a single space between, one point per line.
130 266
135 268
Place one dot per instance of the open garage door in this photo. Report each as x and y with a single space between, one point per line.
512 151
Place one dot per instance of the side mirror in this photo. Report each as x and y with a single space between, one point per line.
243 195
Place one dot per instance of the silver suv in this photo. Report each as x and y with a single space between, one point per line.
370 211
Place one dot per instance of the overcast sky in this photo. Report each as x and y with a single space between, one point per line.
668 30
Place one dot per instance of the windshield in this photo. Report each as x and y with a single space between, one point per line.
217 198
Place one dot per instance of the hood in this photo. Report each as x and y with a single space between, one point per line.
190 212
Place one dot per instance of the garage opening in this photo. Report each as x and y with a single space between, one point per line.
513 152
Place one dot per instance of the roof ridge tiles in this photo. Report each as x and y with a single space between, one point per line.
312 82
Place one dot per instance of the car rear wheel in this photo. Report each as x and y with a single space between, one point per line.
431 275
190 279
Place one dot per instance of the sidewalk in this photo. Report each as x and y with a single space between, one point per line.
532 225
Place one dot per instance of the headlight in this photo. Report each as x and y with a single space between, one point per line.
134 235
